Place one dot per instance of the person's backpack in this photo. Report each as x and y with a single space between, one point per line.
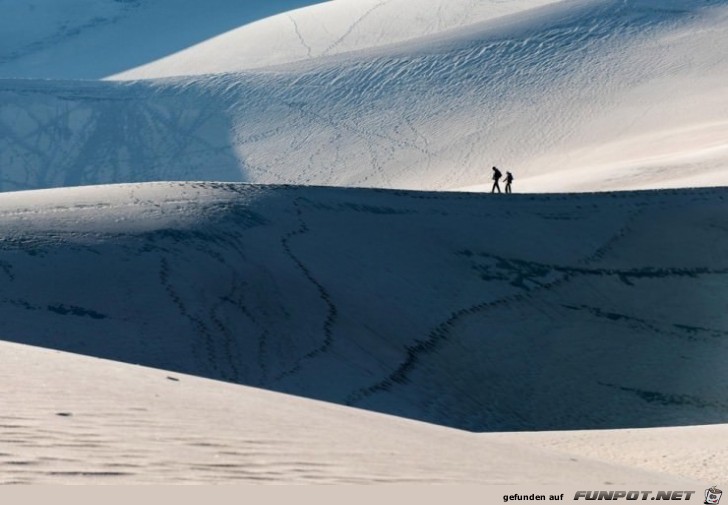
497 174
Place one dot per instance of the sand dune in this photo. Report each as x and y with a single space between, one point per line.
326 29
479 312
91 39
571 96
579 326
75 420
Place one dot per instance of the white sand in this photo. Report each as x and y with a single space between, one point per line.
698 452
569 96
538 312
77 420
330 293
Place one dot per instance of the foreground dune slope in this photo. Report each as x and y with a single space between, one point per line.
75 420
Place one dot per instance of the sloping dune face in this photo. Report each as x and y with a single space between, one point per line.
70 419
575 96
327 29
90 39
488 314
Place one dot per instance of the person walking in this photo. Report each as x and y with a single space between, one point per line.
496 177
509 180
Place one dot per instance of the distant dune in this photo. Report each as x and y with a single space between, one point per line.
572 96
327 29
91 39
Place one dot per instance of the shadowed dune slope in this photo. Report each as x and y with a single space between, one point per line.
482 312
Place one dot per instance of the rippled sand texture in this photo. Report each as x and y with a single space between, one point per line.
78 420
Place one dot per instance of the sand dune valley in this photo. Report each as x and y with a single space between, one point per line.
255 242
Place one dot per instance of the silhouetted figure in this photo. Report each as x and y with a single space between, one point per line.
496 177
509 180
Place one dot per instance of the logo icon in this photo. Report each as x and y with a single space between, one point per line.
712 495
